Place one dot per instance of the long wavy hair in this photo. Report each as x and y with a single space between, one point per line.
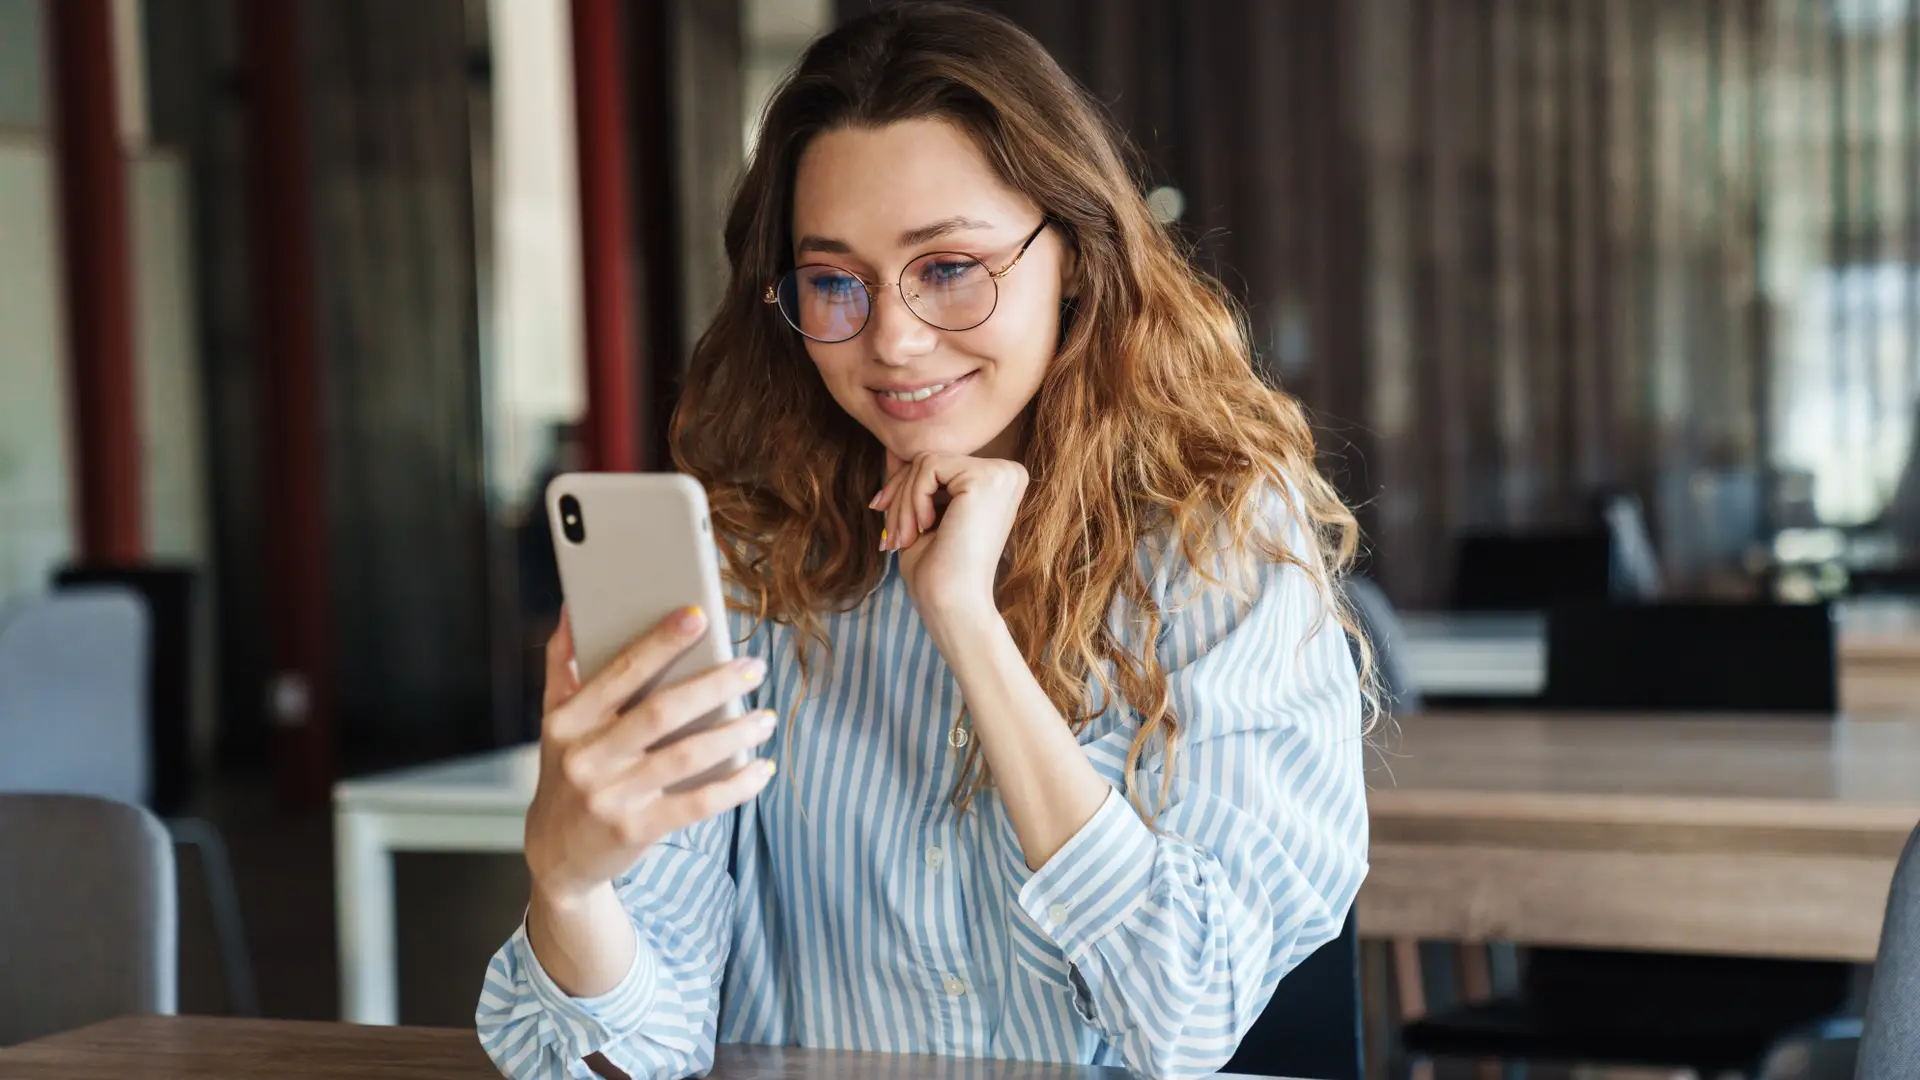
1150 417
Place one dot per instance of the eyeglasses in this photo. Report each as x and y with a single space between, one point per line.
947 290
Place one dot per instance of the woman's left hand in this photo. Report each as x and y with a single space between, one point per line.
950 558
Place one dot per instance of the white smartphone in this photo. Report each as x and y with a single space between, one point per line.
632 549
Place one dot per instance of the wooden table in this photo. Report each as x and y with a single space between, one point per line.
1708 834
208 1048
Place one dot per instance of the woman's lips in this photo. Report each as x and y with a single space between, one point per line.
932 405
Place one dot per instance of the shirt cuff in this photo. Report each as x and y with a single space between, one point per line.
587 1025
1096 881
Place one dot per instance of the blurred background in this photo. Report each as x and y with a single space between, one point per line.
301 301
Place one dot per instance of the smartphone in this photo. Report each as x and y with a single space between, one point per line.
632 549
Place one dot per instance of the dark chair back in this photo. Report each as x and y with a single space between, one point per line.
1890 1041
1692 657
1311 1028
1532 571
1380 623
169 593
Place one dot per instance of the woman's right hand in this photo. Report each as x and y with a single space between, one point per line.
601 800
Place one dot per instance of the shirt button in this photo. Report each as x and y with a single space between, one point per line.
936 858
953 986
1057 914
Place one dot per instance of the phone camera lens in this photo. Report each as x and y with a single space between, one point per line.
573 524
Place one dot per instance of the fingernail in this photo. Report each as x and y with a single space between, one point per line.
883 539
752 670
691 620
767 766
573 667
875 501
765 720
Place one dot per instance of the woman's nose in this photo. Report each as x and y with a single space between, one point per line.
898 335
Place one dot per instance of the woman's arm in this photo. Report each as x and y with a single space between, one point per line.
629 968
657 1016
1177 938
1049 788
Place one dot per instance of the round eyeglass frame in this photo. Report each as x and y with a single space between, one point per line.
772 295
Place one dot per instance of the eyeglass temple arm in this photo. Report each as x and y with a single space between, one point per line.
1022 253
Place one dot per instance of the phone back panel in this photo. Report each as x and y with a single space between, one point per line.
647 552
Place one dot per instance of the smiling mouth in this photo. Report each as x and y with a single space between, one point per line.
922 393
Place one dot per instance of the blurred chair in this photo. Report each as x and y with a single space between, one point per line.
1312 1026
88 929
1532 571
1890 1039
1711 1014
1902 580
1380 623
1693 657
73 693
73 671
169 592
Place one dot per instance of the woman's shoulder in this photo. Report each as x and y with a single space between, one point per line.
1234 544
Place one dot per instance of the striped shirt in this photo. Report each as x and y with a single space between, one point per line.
850 906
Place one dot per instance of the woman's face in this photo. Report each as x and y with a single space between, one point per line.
872 200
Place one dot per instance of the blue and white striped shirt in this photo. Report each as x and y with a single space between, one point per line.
849 906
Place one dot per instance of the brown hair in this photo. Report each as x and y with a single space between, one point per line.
1150 416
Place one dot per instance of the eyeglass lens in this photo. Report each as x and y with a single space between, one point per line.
945 290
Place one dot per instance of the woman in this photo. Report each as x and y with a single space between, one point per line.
1036 583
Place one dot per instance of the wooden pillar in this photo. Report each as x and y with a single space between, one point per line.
658 220
300 696
613 437
99 286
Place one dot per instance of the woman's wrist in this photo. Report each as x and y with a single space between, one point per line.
566 897
962 627
583 940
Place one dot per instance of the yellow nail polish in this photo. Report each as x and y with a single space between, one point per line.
883 539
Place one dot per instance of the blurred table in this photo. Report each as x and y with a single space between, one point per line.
210 1048
472 804
1708 834
1500 655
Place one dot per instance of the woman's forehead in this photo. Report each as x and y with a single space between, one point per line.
877 190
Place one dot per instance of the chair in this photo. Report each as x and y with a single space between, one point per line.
1380 622
1710 1014
88 929
1890 1039
1532 571
73 693
1693 657
168 592
1312 1025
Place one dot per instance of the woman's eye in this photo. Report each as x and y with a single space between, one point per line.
948 273
836 287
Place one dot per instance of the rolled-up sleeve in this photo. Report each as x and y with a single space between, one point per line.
1177 934
660 1020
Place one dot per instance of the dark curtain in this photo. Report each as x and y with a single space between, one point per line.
393 203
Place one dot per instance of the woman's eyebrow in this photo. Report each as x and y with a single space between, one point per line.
911 238
943 227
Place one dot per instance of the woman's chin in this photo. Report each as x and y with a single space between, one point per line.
927 437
